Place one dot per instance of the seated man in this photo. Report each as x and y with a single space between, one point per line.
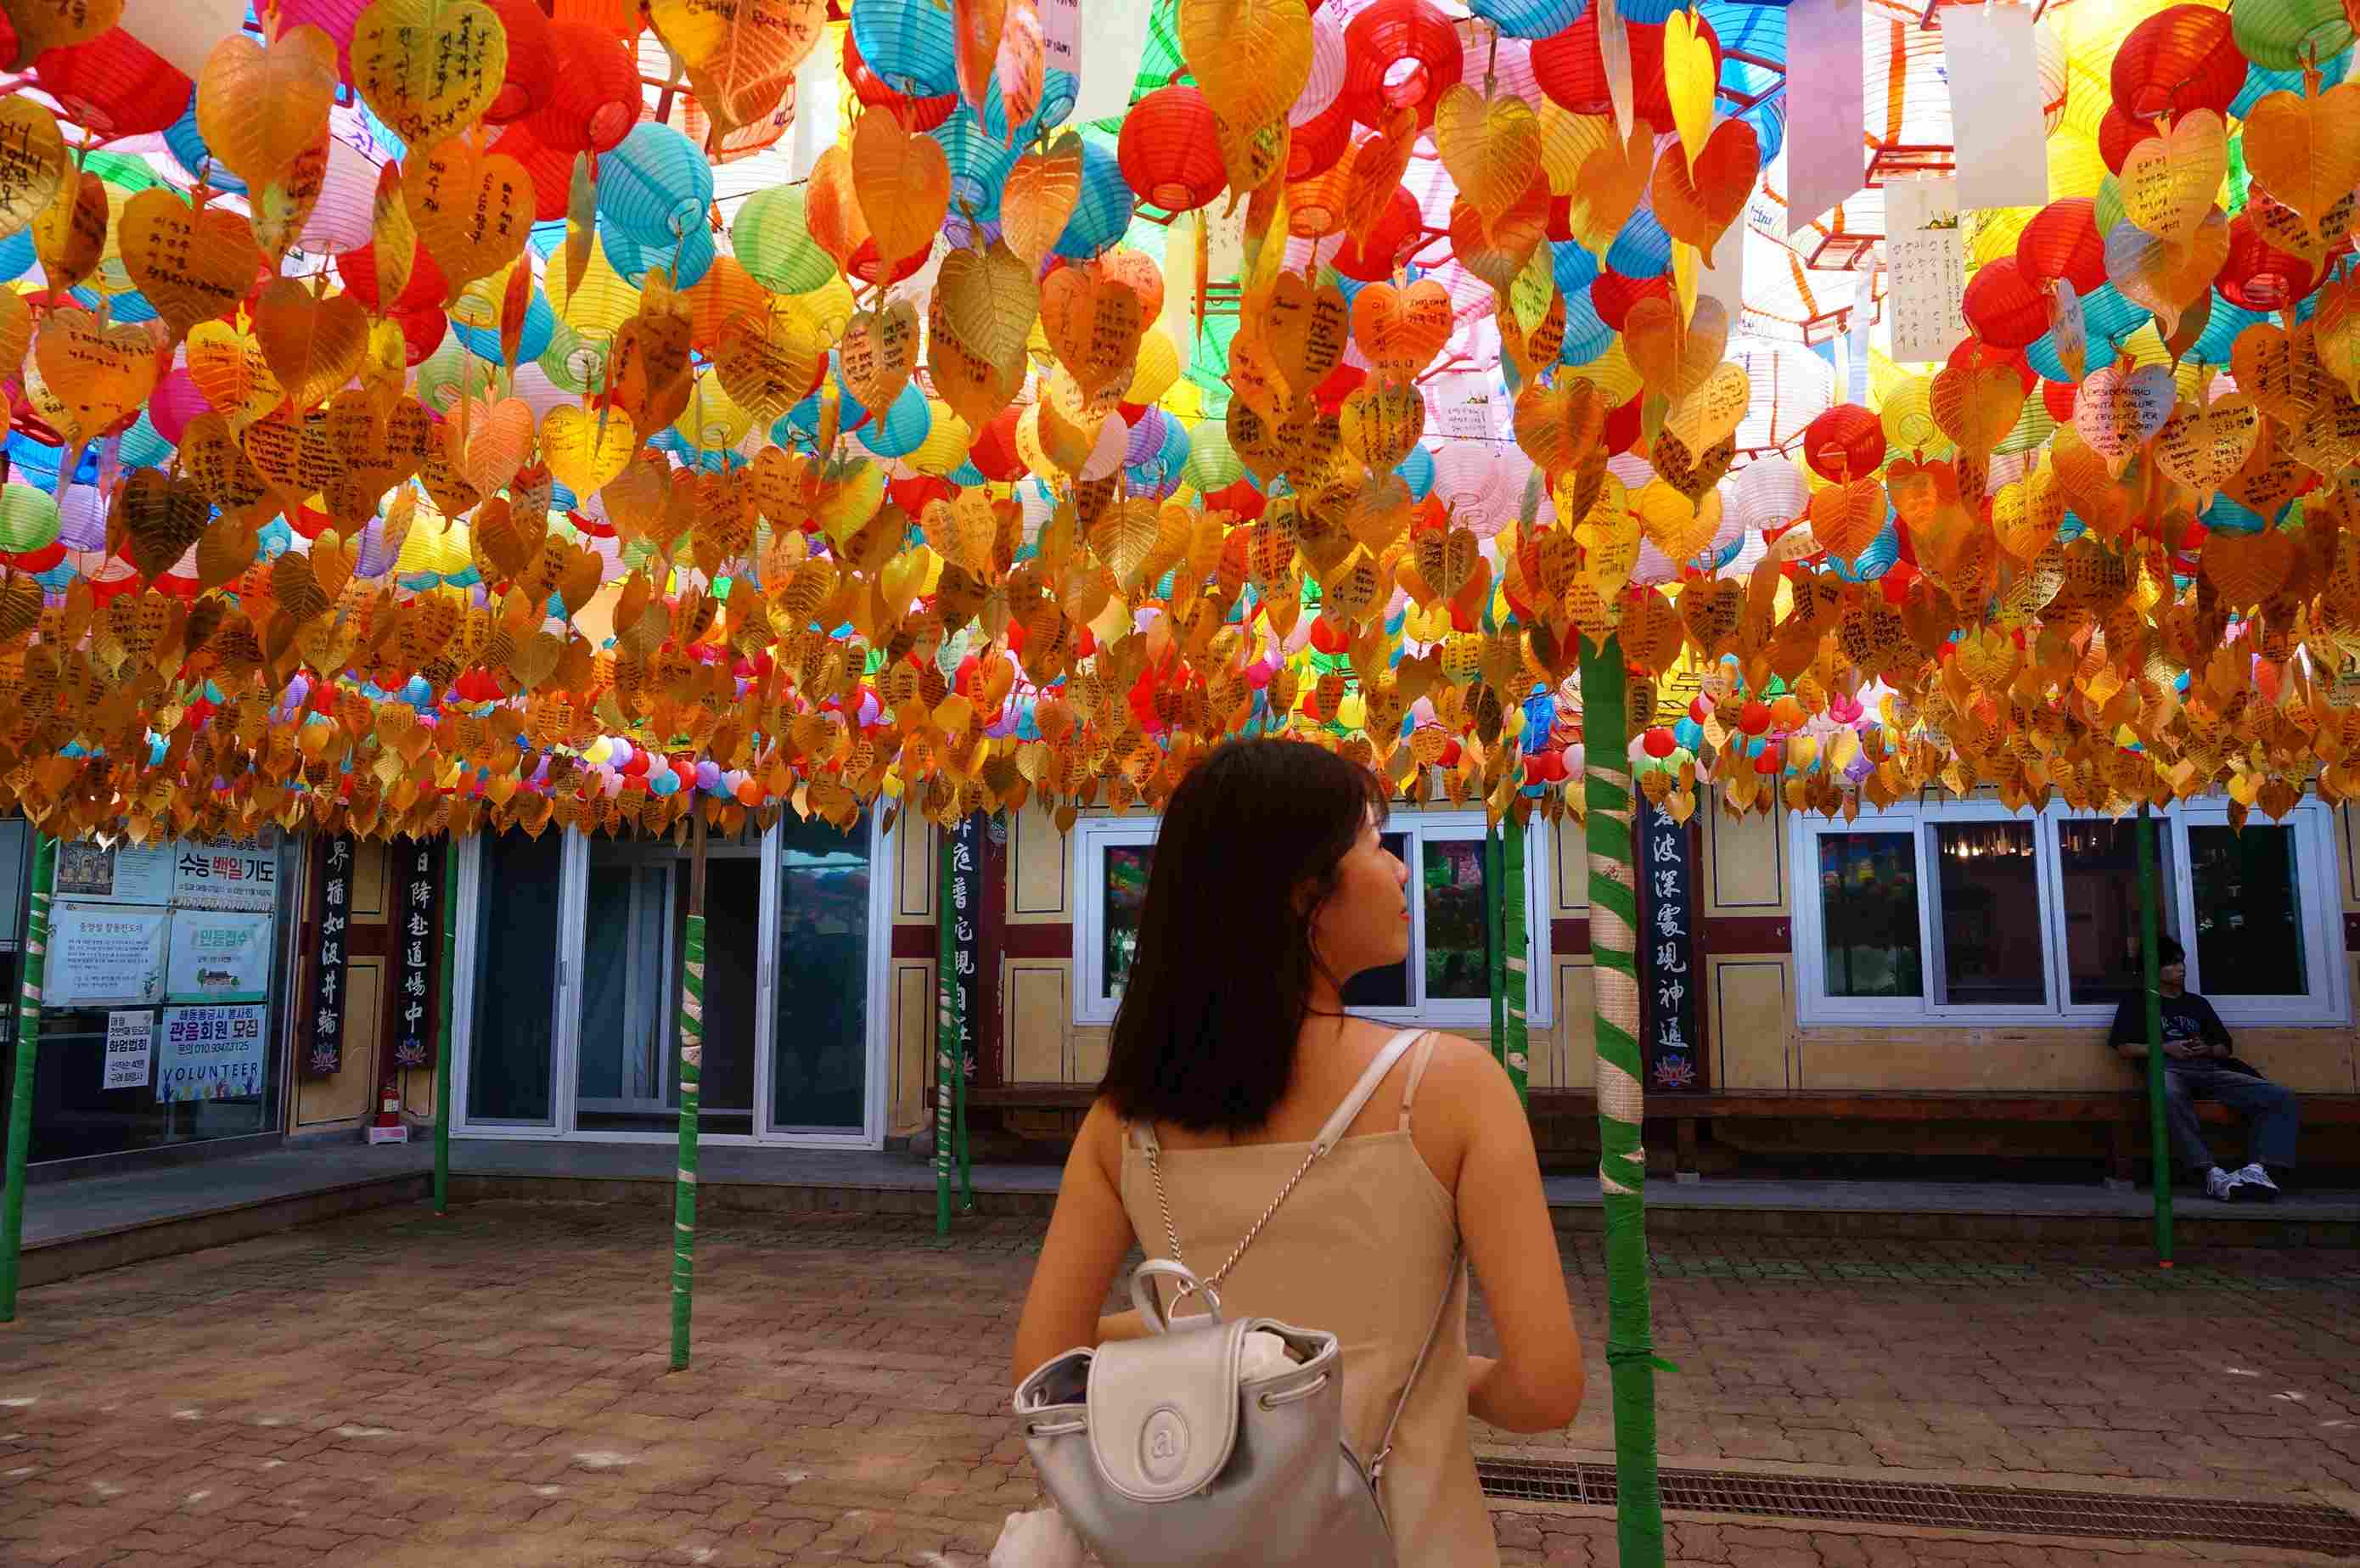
2198 1066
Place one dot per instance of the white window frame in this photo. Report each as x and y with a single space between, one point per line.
2326 1002
1093 835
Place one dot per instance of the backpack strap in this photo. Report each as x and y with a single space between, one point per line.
1433 1333
1355 1102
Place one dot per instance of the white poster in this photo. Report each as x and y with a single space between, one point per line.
1827 96
121 873
226 874
210 1053
2000 129
1926 268
218 955
130 1049
102 953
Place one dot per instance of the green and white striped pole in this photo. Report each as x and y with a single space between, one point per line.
692 1065
20 1097
1621 1163
1517 1055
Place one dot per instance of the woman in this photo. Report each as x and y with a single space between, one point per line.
1270 889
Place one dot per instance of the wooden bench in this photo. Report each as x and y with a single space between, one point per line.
2123 1112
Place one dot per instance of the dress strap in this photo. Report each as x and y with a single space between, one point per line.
1417 1064
1342 1122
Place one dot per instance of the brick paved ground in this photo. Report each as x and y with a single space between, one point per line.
492 1389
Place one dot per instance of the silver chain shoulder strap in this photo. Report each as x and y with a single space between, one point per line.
1171 1233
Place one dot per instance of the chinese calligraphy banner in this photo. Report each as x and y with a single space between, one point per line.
418 918
324 1008
1668 986
966 845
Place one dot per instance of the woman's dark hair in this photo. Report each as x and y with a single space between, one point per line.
1220 983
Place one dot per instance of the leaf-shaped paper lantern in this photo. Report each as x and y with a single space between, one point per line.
766 361
2306 151
471 209
2166 276
94 375
191 266
1610 185
2203 447
741 55
1251 57
1691 77
1695 201
429 68
227 363
70 234
1713 410
1401 330
2170 181
1093 326
32 161
982 310
313 345
876 355
261 107
159 518
1039 198
1491 147
903 184
1976 406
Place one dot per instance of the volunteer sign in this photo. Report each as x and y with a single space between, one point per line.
210 1052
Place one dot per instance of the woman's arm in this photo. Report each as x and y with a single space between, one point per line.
1536 1383
1089 1235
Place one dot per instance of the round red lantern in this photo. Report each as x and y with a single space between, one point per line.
551 169
2062 241
1399 54
1623 426
2006 309
2258 276
1612 295
532 62
2118 133
1168 151
2058 398
1392 239
1658 742
1570 69
1845 442
595 101
993 450
2181 59
113 86
1316 144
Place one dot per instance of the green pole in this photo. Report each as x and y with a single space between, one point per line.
1495 940
1621 1164
442 1031
946 1027
2158 1132
692 1063
1514 950
20 1097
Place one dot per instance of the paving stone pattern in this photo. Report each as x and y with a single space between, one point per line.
392 1389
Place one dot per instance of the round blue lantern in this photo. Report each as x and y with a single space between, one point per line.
1530 19
16 255
656 186
1642 249
1102 212
1416 471
2221 329
1058 92
2261 82
1574 265
2226 515
142 446
188 149
1874 560
2050 366
2106 312
903 429
484 342
1585 337
694 253
978 161
909 45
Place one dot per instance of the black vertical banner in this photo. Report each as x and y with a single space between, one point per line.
416 945
1667 984
325 1013
965 927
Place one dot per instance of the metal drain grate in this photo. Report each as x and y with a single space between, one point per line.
2113 1516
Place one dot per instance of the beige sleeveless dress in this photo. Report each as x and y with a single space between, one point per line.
1360 1251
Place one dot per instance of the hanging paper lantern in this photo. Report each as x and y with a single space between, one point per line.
655 185
187 146
1613 294
28 518
1529 18
1399 54
2281 34
113 86
1212 464
875 93
909 44
594 100
2178 60
1641 249
2261 83
1102 211
1168 150
771 242
1155 371
2005 309
532 62
1845 442
1388 243
2062 241
344 217
904 427
978 161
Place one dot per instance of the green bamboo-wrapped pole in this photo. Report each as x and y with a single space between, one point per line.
2159 1131
1621 1162
20 1097
692 1067
947 1067
1512 950
1495 940
450 978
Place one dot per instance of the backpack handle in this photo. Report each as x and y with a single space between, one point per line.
1151 1308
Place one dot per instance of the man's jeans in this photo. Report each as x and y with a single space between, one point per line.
2268 1109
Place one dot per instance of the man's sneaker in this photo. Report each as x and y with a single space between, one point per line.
2220 1185
2252 1185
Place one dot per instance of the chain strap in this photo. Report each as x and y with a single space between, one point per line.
1172 1233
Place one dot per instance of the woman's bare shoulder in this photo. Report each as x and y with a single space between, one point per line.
1464 1080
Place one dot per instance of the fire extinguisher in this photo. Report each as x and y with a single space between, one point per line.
388 1103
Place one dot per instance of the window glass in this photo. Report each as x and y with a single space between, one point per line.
2098 865
2248 911
1125 877
1988 906
1457 932
517 910
1868 914
1387 987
